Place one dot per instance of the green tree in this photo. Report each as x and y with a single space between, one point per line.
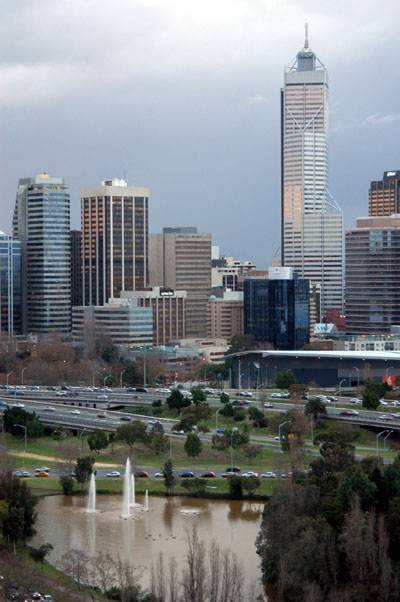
251 452
228 410
111 440
18 514
83 469
285 379
235 486
67 484
13 525
370 400
176 401
193 445
194 485
39 554
198 395
250 484
219 442
255 413
315 407
224 398
337 456
159 444
108 354
97 440
169 477
355 482
14 416
242 342
134 432
132 374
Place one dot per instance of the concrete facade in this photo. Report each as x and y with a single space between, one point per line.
225 315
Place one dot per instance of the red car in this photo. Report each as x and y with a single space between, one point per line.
208 475
141 473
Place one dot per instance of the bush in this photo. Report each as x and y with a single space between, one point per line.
255 413
67 484
235 486
261 423
157 403
227 411
239 415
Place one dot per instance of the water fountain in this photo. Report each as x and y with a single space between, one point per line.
91 503
128 492
146 501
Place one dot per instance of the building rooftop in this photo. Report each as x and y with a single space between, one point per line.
363 355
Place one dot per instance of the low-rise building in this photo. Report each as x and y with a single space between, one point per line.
225 315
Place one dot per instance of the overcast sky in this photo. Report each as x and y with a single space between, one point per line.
183 96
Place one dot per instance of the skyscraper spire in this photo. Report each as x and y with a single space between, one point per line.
306 35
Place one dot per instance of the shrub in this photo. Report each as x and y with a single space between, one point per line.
67 484
239 415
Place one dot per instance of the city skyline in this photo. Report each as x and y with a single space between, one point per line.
199 98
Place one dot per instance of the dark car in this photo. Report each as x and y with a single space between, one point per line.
208 474
238 402
125 418
186 475
141 473
221 431
141 390
349 413
233 469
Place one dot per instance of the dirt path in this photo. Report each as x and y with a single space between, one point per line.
52 459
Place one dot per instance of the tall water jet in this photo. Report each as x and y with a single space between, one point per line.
132 491
91 503
146 500
126 502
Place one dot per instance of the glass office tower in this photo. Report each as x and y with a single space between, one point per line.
10 284
114 240
311 221
277 312
42 223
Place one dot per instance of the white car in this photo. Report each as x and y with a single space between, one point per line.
61 393
48 409
74 412
114 473
250 474
355 400
268 405
159 475
186 393
268 475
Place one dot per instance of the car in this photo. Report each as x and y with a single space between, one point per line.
186 393
16 393
269 404
268 475
178 432
102 415
250 474
45 468
114 473
35 596
74 412
47 598
225 475
141 390
48 409
159 475
141 473
103 396
61 393
106 390
186 475
126 418
152 422
245 394
209 474
349 413
51 388
277 438
17 405
131 389
386 417
34 388
209 391
331 398
383 402
42 473
221 431
238 402
23 474
355 400
233 469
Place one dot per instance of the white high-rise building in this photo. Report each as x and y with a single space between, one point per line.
311 221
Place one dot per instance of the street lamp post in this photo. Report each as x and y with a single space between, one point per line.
384 444
80 440
233 431
358 376
9 374
170 447
93 377
377 440
104 379
22 375
216 417
340 386
120 378
280 440
25 432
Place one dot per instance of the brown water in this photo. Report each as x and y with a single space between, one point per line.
233 524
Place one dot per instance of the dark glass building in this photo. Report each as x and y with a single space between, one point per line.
372 292
114 240
10 284
76 268
276 312
41 222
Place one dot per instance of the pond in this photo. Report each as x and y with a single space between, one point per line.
233 524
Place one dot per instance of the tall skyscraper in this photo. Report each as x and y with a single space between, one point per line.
114 240
181 260
311 221
373 275
384 195
10 285
42 223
